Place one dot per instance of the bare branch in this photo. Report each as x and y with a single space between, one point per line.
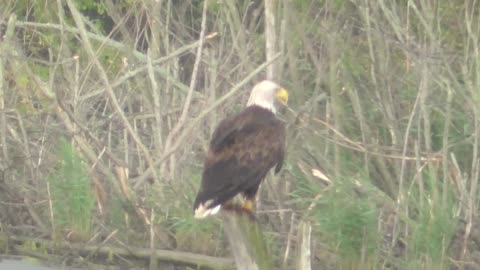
3 120
270 36
193 80
88 47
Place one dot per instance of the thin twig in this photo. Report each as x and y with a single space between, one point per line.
400 196
103 76
121 46
34 214
132 73
446 137
156 103
50 208
25 144
289 241
193 79
180 122
5 45
360 147
153 258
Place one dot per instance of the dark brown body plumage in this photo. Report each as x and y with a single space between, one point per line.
243 149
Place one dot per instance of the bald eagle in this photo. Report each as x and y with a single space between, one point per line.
243 149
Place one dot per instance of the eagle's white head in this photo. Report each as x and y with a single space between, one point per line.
268 95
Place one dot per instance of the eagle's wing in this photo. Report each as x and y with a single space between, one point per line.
242 151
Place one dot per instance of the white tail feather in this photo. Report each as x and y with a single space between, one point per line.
203 212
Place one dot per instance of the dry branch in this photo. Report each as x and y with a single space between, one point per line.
193 80
141 253
4 44
118 45
109 89
270 37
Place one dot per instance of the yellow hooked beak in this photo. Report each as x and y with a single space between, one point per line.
282 96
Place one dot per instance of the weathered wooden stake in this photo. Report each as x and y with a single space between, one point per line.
246 241
304 244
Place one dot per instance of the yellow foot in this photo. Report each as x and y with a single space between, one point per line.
247 205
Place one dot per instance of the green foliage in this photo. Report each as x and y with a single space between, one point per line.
87 5
344 218
117 212
176 215
73 200
96 12
433 225
33 247
348 222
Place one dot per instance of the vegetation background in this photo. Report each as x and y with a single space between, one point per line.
106 109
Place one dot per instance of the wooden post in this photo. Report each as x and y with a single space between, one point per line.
246 241
304 250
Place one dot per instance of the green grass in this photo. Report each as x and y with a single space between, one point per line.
433 226
348 223
175 213
73 200
344 219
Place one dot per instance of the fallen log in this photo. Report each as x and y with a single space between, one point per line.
179 257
